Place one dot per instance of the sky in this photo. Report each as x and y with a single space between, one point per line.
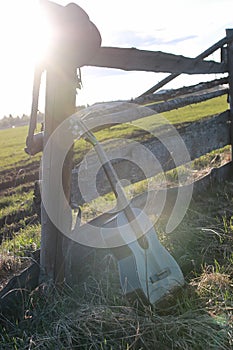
184 27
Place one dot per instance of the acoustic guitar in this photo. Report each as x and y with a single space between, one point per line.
145 266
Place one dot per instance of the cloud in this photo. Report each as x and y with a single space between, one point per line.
179 40
130 38
144 40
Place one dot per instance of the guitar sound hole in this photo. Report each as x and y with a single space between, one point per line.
143 242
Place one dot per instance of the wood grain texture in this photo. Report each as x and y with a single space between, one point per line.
152 61
185 101
173 93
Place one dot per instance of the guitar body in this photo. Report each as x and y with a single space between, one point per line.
153 271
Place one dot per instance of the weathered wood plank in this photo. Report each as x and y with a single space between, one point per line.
185 101
111 119
200 138
152 61
215 175
170 94
123 112
60 103
202 55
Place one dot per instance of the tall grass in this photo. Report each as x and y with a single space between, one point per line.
95 315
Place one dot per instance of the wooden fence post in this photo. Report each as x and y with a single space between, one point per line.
60 103
229 33
75 41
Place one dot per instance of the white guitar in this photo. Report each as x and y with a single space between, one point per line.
144 265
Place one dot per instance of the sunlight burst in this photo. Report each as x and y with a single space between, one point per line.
25 34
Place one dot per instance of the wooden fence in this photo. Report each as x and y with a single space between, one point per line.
212 133
200 137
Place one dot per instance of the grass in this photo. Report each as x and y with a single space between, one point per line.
99 326
94 314
176 177
15 203
23 242
14 252
197 111
12 143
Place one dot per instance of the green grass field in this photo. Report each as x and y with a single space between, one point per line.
95 314
12 141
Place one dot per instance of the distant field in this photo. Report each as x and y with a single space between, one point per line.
12 141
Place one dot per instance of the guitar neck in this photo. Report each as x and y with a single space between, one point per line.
118 190
112 177
115 184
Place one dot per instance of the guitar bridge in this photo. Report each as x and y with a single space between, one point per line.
159 276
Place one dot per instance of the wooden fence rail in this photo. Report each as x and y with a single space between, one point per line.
219 45
129 59
185 101
200 137
170 94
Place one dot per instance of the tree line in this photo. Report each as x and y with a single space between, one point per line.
11 122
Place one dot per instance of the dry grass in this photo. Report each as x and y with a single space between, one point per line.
95 315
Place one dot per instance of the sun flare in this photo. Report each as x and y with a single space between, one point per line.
24 39
42 32
25 34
